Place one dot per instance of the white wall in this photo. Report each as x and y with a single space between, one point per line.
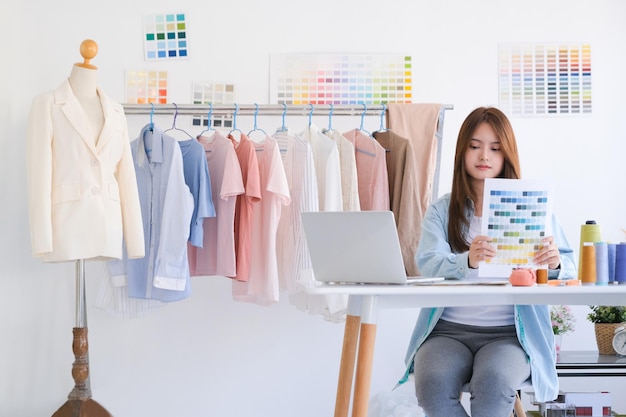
210 356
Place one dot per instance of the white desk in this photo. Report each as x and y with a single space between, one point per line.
366 300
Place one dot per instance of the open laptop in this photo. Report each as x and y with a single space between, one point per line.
356 247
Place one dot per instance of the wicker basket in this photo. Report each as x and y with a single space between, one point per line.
604 337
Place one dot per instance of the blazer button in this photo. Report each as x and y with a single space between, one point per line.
94 162
95 190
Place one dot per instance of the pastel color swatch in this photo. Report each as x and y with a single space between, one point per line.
146 86
340 79
213 93
515 216
545 79
165 36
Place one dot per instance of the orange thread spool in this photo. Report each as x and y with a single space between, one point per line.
588 269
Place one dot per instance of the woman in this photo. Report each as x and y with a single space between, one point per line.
493 348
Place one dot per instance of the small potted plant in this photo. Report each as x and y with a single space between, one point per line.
606 319
562 323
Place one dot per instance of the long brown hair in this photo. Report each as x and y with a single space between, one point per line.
463 195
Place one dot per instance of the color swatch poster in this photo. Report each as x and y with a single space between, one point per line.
146 86
165 36
213 93
545 79
517 216
340 79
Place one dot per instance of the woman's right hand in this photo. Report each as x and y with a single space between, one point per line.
480 249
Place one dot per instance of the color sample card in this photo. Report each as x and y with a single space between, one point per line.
146 86
213 93
545 80
340 79
517 216
165 36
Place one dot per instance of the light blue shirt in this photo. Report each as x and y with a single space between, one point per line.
532 322
196 170
166 210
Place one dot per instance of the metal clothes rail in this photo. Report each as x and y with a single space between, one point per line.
261 109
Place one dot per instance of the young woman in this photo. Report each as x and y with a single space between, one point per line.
493 348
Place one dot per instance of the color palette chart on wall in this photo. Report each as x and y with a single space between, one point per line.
165 36
516 216
146 86
545 79
340 79
213 93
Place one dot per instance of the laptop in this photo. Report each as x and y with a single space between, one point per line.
356 247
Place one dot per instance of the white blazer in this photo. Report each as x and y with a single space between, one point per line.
82 189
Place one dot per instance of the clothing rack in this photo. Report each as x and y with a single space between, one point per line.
285 109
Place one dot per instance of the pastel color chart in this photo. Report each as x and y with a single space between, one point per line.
165 36
213 93
340 79
515 216
146 86
545 80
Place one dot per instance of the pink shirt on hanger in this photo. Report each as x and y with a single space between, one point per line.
243 207
217 256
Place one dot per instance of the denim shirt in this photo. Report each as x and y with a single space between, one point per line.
532 322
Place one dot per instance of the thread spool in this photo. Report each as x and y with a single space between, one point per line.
589 232
542 276
620 263
588 276
602 263
611 258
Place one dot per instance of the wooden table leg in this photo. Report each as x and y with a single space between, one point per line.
346 368
365 357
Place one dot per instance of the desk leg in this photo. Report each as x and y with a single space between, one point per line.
346 368
365 357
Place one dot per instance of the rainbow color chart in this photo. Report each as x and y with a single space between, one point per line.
213 93
340 79
516 216
165 36
146 86
545 80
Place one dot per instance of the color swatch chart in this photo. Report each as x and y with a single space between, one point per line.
516 216
340 79
165 36
213 93
146 86
545 80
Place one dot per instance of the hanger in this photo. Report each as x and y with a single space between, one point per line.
151 125
176 129
235 129
330 119
311 114
382 127
283 127
361 128
255 128
209 121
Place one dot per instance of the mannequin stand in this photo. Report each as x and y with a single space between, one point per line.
79 403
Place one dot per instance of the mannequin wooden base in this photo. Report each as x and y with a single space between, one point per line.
81 408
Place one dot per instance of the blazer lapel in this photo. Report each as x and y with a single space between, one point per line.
110 120
75 114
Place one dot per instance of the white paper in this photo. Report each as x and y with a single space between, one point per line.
517 216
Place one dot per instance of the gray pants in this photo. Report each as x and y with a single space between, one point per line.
489 358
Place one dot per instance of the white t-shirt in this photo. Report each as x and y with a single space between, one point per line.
499 315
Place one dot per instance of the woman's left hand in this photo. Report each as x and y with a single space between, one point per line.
549 254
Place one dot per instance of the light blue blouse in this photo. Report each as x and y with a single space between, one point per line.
534 329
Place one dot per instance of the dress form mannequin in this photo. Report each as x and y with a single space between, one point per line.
82 80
